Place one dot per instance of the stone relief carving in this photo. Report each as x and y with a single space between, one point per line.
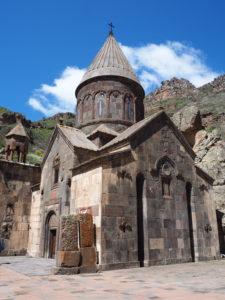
124 174
7 223
125 225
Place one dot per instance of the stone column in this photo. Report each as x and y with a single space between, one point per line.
87 249
68 259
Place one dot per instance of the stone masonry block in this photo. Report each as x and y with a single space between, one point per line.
88 256
68 258
86 230
69 233
156 243
66 271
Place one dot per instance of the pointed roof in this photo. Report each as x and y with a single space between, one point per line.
110 61
17 130
103 129
77 138
74 138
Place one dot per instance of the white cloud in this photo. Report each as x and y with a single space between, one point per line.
153 63
59 97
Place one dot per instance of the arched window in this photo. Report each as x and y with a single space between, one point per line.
165 169
129 113
129 110
100 101
56 165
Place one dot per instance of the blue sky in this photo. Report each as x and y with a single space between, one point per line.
46 45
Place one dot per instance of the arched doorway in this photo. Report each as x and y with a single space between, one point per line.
140 225
50 235
190 222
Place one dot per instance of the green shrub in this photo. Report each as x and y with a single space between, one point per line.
38 152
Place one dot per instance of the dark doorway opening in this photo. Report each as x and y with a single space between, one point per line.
221 230
51 226
191 236
52 243
140 226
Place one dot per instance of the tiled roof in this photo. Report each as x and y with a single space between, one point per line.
77 138
104 129
17 130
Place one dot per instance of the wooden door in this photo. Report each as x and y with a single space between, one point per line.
52 244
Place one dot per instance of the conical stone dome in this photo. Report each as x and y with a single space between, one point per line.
110 92
110 60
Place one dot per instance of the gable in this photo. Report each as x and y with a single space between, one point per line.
56 140
143 130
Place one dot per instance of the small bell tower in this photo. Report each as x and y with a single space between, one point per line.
17 141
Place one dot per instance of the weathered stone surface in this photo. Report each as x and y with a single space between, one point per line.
211 158
66 271
172 88
86 230
69 233
200 136
88 256
15 189
88 269
68 258
188 121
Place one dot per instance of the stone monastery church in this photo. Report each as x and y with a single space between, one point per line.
117 191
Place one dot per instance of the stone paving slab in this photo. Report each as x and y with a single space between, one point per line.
28 266
193 281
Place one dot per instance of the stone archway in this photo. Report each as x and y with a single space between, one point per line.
51 226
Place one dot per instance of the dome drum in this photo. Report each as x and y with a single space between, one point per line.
109 100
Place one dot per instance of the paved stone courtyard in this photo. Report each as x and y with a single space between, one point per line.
31 278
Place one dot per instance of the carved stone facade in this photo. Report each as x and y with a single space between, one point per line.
134 178
112 102
154 206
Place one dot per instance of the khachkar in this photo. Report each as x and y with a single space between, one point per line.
110 93
77 253
17 142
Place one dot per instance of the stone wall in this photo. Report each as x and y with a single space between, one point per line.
55 196
16 180
168 235
35 225
86 196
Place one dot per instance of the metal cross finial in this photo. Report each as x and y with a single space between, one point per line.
111 27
